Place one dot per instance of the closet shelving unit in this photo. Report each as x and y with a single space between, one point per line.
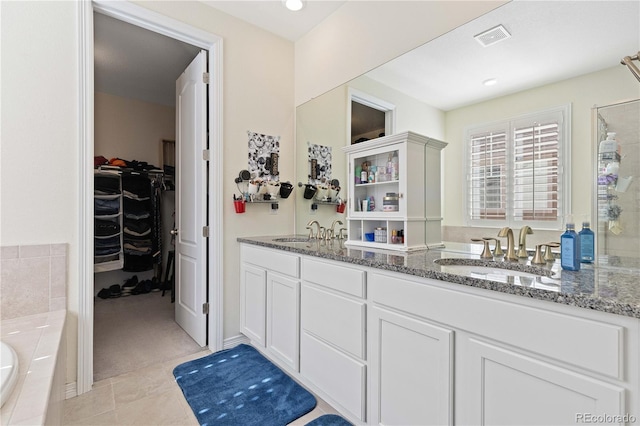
120 261
113 261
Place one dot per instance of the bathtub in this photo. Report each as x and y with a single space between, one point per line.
40 346
8 371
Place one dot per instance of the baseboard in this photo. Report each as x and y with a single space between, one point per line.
234 341
70 390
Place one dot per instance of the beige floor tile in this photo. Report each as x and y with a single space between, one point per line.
139 384
160 409
313 414
104 419
98 401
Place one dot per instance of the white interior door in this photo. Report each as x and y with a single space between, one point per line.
191 177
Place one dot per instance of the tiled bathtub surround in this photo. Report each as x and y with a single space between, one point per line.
38 396
33 279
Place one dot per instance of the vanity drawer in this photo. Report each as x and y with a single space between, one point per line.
271 259
339 376
334 318
329 274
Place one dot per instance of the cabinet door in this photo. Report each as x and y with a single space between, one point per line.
411 371
501 387
253 302
283 318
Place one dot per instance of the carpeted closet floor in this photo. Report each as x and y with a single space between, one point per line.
134 332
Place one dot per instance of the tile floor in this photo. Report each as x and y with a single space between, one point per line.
148 396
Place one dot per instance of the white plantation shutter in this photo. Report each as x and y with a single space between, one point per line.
487 176
535 172
515 171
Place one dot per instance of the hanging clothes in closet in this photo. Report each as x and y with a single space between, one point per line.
142 222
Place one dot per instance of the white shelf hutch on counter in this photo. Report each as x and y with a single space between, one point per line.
414 180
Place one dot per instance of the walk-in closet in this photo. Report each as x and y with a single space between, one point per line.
135 197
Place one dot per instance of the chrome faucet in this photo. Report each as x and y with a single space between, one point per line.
507 232
309 227
522 241
331 232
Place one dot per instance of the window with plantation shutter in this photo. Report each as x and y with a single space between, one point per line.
515 171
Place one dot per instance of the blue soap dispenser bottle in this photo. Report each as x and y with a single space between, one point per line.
570 248
586 243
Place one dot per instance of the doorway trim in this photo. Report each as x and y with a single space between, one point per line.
178 30
389 109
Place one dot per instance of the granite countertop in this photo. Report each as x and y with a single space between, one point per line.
612 286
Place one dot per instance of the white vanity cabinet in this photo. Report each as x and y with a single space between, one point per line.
269 302
405 192
514 363
333 333
389 348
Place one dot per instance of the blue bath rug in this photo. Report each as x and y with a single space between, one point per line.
241 387
329 420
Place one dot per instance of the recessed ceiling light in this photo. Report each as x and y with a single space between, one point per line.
490 82
293 5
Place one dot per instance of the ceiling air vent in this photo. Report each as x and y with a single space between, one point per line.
492 36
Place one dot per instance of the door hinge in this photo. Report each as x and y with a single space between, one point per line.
205 308
206 154
205 231
205 77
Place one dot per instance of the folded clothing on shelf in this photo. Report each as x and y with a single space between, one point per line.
106 207
106 184
104 227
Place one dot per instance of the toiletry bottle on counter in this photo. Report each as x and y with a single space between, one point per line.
586 243
570 249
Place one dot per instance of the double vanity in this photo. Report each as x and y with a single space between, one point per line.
442 336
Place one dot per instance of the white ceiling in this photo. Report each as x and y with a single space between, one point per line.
272 16
551 40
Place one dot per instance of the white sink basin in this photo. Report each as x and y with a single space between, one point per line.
510 273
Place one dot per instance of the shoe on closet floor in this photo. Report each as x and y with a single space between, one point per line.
155 284
115 291
105 293
130 282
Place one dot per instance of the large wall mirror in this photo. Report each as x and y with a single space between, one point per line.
553 54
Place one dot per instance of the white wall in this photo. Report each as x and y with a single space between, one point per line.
131 129
362 35
39 164
601 88
39 136
257 96
411 114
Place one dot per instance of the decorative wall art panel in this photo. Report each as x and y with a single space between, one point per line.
264 151
319 163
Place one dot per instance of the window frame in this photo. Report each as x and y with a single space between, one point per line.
508 125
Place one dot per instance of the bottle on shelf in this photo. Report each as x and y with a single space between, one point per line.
395 166
570 248
609 144
586 243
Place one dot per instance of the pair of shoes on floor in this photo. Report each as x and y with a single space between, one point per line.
142 287
111 292
129 284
